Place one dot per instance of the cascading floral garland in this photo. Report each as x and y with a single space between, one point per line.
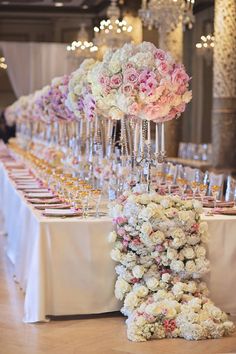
159 242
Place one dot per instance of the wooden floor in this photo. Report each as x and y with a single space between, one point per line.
101 335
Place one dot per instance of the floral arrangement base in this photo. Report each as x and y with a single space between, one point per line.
159 242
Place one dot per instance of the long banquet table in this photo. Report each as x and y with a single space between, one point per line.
64 265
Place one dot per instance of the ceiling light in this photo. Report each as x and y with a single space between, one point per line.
58 4
85 7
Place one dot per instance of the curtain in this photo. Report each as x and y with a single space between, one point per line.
33 65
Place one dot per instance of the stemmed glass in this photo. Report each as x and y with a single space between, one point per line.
169 181
96 197
182 183
194 186
202 191
215 191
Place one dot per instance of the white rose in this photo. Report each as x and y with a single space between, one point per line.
116 255
152 283
190 267
166 277
191 287
177 266
188 252
171 313
157 237
138 271
178 289
131 301
200 251
140 290
112 236
171 253
146 228
154 309
121 288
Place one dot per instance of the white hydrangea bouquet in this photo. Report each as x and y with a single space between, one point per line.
159 243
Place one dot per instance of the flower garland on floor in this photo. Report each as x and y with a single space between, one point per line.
159 242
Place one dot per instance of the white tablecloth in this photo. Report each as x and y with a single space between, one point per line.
64 265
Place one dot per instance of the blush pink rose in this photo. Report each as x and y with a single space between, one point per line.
127 89
116 81
179 76
134 109
145 75
163 68
104 80
131 75
160 55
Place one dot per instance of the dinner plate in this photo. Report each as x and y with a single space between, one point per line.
228 211
28 186
51 206
218 204
61 212
44 201
34 190
40 195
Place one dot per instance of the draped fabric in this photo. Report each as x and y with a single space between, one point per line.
33 65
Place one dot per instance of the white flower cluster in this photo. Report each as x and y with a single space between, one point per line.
77 85
159 243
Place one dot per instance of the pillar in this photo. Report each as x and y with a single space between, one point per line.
173 43
224 87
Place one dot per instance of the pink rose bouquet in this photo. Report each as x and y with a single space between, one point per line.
143 81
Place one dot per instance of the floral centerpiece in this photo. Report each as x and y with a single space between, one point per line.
79 99
159 243
142 81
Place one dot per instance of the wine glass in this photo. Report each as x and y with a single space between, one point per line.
194 186
215 191
202 191
96 197
169 181
182 183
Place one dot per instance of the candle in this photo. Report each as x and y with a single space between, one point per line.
157 142
108 129
81 127
162 137
96 126
136 133
149 133
141 137
87 128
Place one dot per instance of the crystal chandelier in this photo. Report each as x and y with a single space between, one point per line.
113 32
165 15
82 48
3 64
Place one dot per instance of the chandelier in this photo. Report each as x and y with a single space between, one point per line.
165 15
205 47
82 48
113 32
3 64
